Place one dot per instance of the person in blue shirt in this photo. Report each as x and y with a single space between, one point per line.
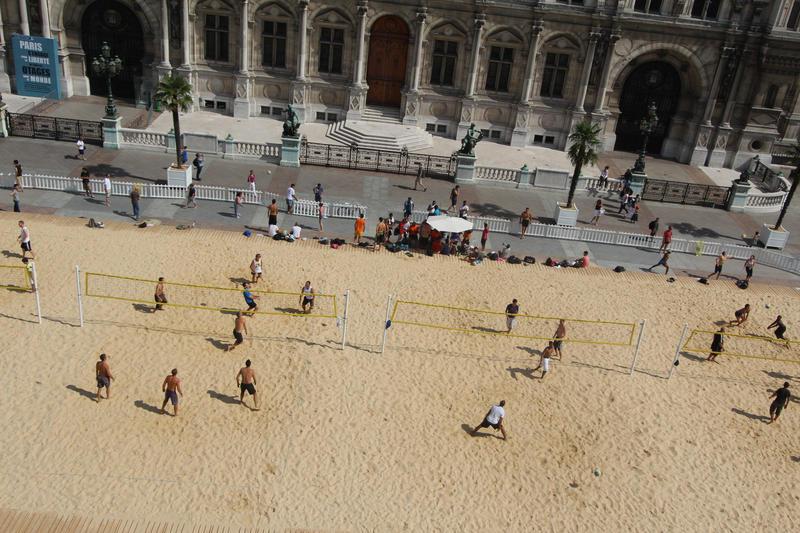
185 155
249 299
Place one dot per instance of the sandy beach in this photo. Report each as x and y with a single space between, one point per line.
355 440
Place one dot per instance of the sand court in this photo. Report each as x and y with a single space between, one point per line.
354 440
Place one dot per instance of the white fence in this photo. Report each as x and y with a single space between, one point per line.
771 201
496 174
307 208
227 148
635 240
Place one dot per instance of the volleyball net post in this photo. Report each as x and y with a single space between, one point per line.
677 359
344 320
80 293
387 323
35 288
642 325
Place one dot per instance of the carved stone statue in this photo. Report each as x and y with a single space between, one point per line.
469 141
292 124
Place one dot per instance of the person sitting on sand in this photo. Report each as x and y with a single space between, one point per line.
717 345
494 419
741 316
296 231
171 389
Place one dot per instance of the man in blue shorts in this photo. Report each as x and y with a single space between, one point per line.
171 388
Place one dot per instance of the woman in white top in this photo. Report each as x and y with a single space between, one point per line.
307 297
598 212
256 268
107 189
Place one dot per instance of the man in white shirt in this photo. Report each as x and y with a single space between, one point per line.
107 189
290 198
296 231
494 419
463 211
81 148
25 240
273 230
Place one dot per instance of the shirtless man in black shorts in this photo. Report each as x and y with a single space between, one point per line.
741 316
780 329
239 326
160 297
782 396
717 345
247 384
104 376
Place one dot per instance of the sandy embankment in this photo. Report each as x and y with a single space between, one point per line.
354 440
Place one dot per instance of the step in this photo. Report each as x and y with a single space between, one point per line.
366 134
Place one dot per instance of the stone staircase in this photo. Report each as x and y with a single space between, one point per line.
381 128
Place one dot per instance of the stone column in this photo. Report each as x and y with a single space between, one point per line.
24 27
300 85
165 34
731 100
480 20
587 70
45 11
520 134
187 41
357 95
303 45
422 16
603 88
241 104
712 93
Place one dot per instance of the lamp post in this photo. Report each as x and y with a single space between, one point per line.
647 126
106 66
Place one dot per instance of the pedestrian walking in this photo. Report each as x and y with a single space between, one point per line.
251 181
191 194
525 221
238 200
107 190
171 389
748 268
81 148
602 182
717 345
494 419
780 402
666 239
318 190
87 185
598 212
623 202
321 215
198 162
359 227
135 195
719 262
15 197
653 227
635 213
18 173
25 240
185 156
408 207
103 376
418 179
664 261
290 198
484 236
272 211
454 192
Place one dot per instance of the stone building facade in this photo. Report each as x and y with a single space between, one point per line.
724 74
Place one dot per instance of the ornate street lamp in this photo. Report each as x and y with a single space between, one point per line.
106 66
647 126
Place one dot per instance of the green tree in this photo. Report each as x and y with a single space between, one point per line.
175 93
584 143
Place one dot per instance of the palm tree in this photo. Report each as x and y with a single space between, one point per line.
175 94
585 141
795 175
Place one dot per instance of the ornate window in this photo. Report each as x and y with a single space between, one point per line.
571 2
556 67
217 33
794 16
500 61
647 6
771 96
331 50
273 44
705 9
445 56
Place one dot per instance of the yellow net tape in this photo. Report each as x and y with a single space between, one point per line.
15 277
485 322
210 298
744 346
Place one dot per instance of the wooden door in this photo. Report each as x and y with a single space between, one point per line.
386 68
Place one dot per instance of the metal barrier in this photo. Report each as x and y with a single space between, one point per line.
59 129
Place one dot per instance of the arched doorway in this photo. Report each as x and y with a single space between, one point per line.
386 68
114 23
658 82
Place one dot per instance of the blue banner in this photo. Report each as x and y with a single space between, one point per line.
36 66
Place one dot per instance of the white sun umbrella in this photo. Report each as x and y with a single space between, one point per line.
450 224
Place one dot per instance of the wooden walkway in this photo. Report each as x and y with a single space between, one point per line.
31 522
